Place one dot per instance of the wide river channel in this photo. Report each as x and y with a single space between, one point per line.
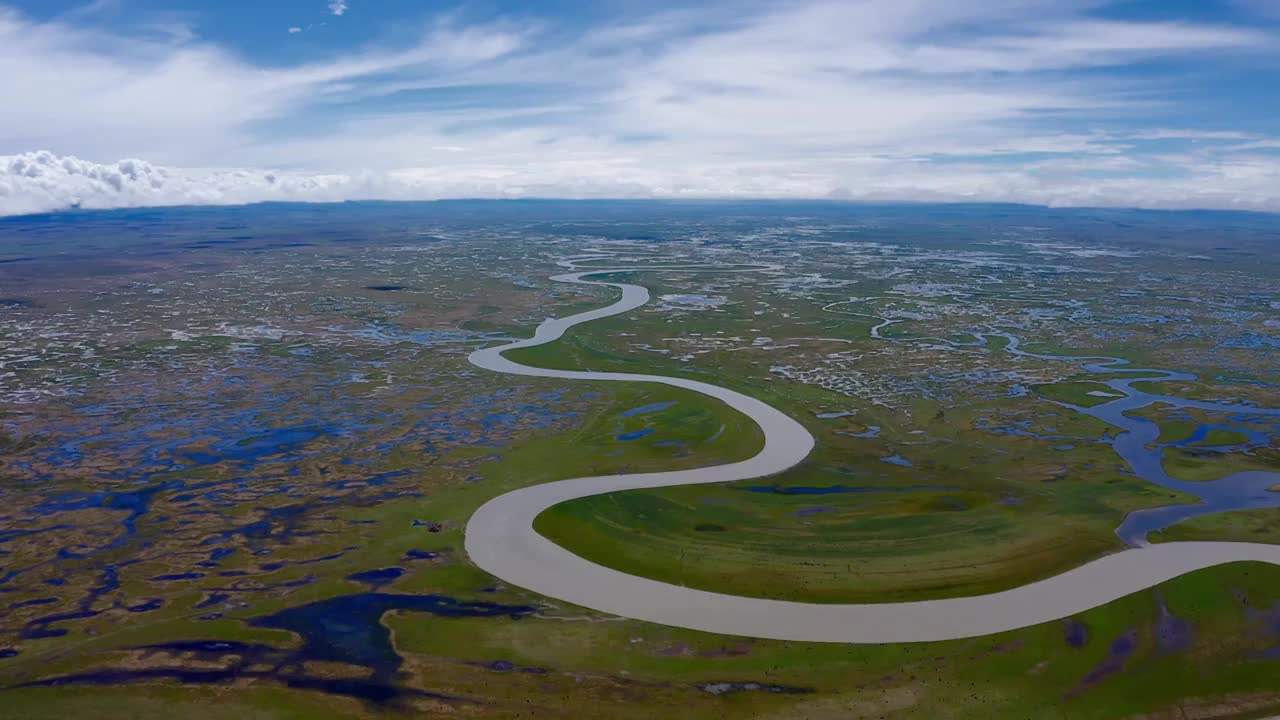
500 538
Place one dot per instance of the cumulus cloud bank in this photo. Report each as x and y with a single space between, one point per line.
1040 101
43 182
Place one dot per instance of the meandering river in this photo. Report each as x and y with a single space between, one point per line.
500 538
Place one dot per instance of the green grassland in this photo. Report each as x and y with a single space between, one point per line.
1077 393
878 547
1260 526
975 512
592 448
1211 391
1177 424
1205 465
1032 673
589 667
846 527
1128 661
1202 460
165 702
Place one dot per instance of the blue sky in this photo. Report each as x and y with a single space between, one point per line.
1064 102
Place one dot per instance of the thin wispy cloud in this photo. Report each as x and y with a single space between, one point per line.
1047 101
338 7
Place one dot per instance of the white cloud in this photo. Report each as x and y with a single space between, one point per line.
42 182
1255 145
879 99
102 95
338 7
295 30
1175 134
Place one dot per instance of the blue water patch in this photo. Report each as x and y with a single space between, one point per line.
897 460
872 432
345 629
1077 634
136 503
508 666
651 408
108 583
327 558
377 578
1138 444
34 603
636 434
1202 432
270 442
212 600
